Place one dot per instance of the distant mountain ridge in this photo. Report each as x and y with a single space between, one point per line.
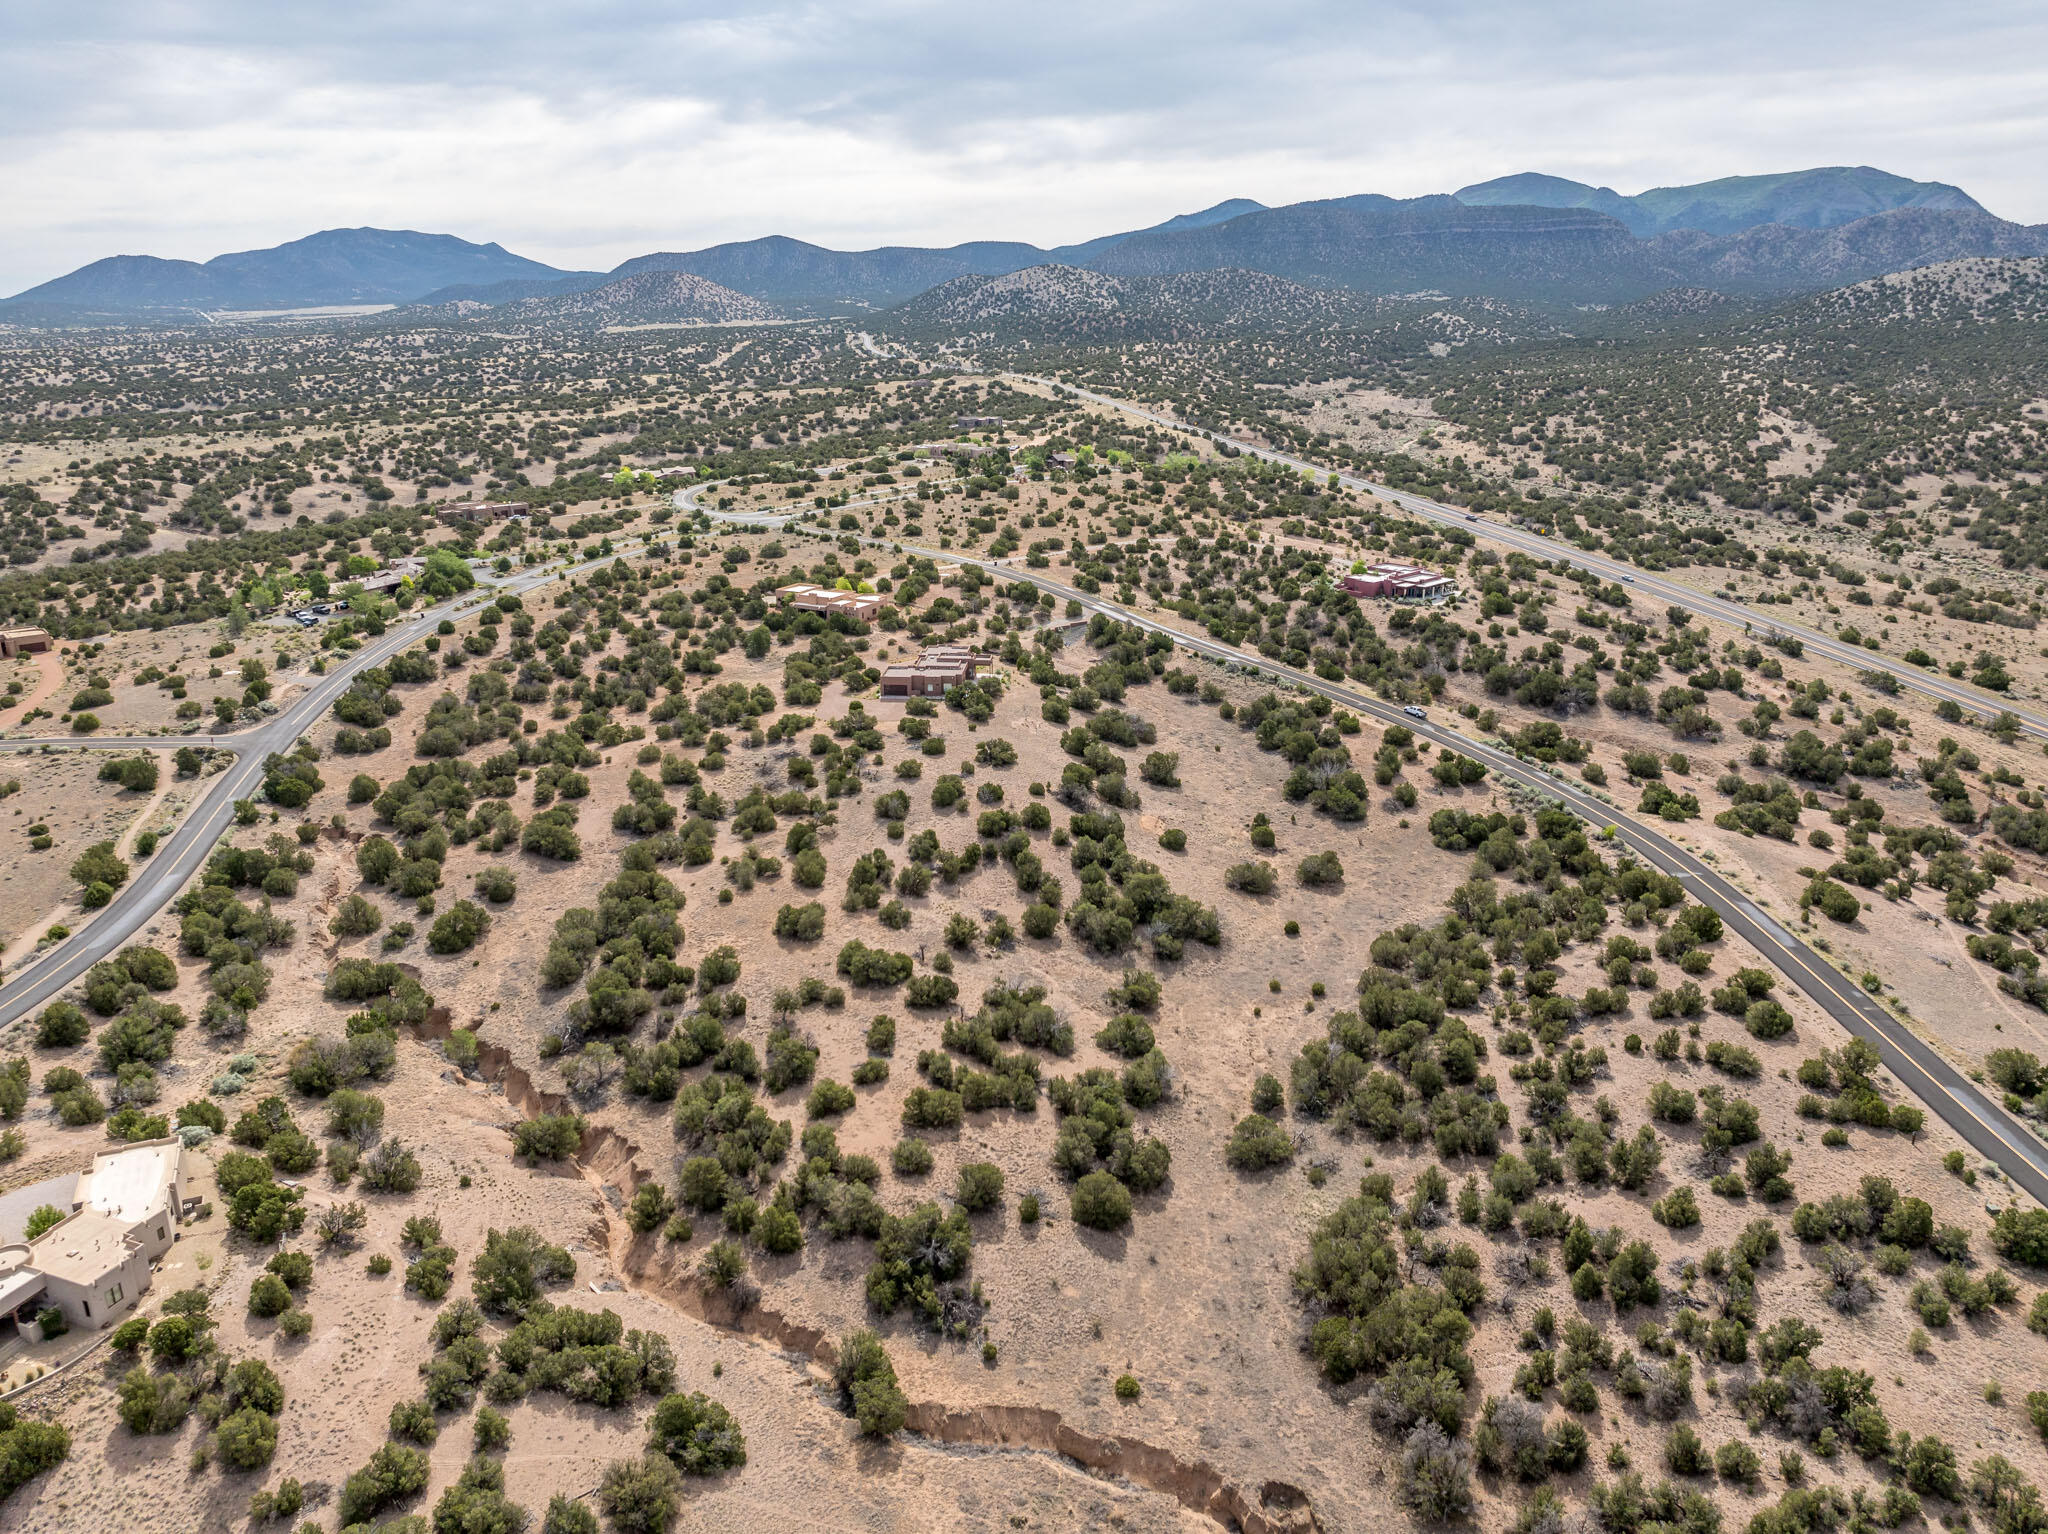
1803 199
780 270
335 266
1523 238
1574 255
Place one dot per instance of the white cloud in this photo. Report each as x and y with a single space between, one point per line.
583 135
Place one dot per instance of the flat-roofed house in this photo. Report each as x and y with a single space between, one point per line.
481 511
95 1263
93 1266
806 597
24 640
1403 583
921 681
934 670
141 1184
953 654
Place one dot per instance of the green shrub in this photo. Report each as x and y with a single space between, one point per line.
696 1434
1101 1202
868 1390
828 1098
911 1157
641 1496
980 1187
1257 1143
396 1473
548 1137
269 1296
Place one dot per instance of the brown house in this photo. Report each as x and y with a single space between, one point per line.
933 671
24 641
808 598
482 511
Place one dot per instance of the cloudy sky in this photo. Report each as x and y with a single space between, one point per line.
584 133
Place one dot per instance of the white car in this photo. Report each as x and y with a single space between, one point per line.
1414 713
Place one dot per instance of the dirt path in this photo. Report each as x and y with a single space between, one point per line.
49 681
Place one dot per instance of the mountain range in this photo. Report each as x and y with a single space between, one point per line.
1801 199
1524 237
335 266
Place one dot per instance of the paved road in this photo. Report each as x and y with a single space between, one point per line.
1983 1123
1642 582
159 878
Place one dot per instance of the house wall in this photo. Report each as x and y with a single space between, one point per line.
94 1306
24 642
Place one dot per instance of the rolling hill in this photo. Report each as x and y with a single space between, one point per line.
643 298
1056 295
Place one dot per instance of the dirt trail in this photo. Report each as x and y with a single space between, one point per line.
612 1162
50 681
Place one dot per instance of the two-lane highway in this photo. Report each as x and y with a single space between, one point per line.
182 853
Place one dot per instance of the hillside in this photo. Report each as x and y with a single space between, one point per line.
1072 302
645 298
1775 258
335 266
1805 199
779 270
1979 290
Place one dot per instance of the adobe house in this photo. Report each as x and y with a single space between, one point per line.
1402 583
934 670
808 598
26 640
481 511
95 1263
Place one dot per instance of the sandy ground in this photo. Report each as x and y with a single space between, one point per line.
61 790
1194 1299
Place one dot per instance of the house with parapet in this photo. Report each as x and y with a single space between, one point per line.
94 1264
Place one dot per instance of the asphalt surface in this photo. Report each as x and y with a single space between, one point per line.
157 879
1982 1122
1641 582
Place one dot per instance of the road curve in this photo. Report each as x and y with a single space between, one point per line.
1983 1124
181 854
1690 598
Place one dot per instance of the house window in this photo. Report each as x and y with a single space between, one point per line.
88 1306
159 1233
113 1296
